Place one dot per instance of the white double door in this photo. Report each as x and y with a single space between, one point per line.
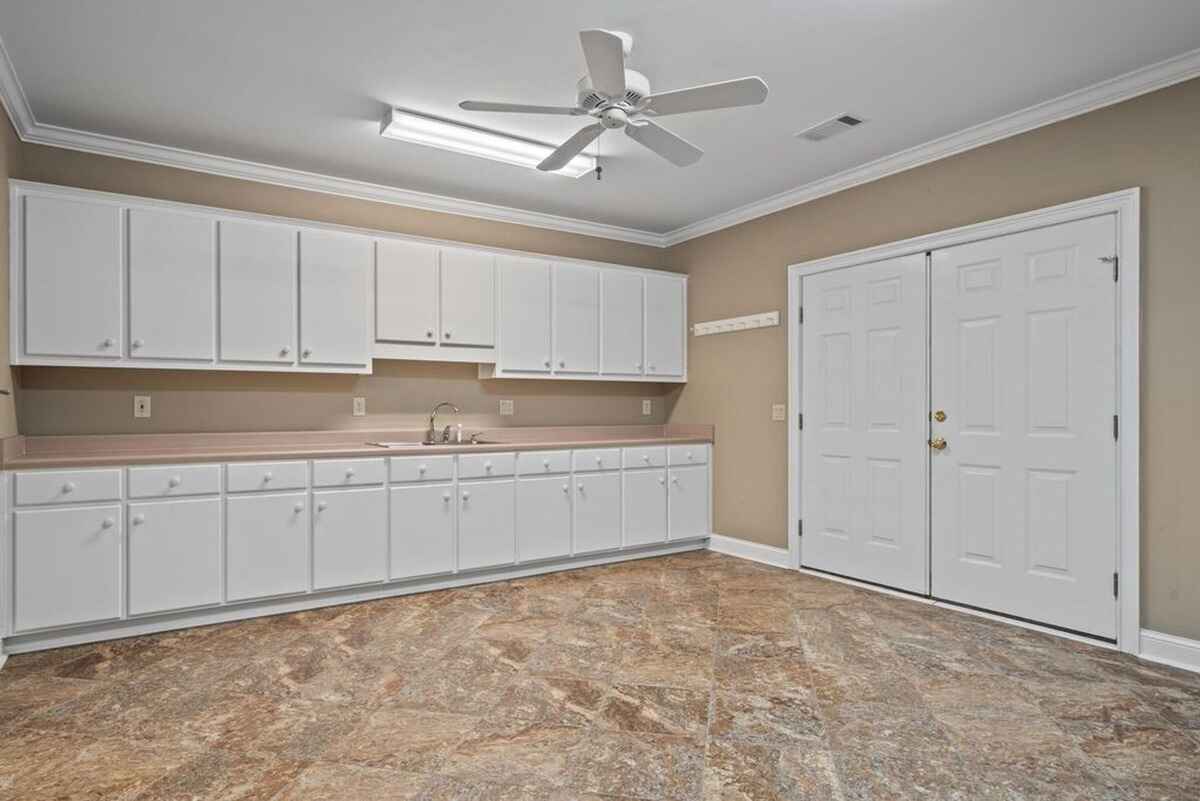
958 436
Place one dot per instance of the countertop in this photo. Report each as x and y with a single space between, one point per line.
30 453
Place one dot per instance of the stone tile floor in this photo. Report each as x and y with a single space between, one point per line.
695 676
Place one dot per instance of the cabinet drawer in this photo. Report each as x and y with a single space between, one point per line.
688 454
162 482
597 459
534 463
485 465
258 476
422 468
653 456
348 472
68 486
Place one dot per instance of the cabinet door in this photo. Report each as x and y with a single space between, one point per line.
406 292
524 315
66 566
266 550
485 524
664 325
174 555
468 298
543 518
645 507
72 278
349 537
597 512
422 530
576 319
622 320
258 292
172 265
335 303
687 501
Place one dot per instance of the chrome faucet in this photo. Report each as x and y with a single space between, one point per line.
431 434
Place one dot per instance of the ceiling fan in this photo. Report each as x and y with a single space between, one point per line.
617 97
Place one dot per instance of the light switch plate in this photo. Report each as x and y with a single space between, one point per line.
360 407
141 405
506 408
647 406
779 412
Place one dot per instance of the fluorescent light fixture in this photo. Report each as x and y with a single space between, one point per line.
421 129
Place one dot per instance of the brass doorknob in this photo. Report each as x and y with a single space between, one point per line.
940 416
938 443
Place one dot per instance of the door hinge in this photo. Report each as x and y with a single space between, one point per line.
800 421
800 315
1116 263
800 527
1116 585
1116 427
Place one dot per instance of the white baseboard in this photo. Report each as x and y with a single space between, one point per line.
744 549
1167 649
3 659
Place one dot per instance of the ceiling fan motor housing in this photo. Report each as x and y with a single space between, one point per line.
637 87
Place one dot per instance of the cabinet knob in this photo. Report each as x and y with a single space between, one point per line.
284 351
466 495
421 469
349 472
267 476
638 366
139 519
137 343
689 456
107 343
546 463
446 335
107 522
429 334
580 487
652 368
306 352
446 497
487 466
298 508
68 487
566 488
674 479
646 458
174 481
562 363
547 362
662 480
322 506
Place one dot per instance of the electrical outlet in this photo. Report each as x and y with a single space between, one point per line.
779 412
506 408
647 406
360 407
141 405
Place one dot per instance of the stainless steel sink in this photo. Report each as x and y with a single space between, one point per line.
410 445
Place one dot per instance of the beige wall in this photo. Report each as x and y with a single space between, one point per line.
10 153
1152 142
72 400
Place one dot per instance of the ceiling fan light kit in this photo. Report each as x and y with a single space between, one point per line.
423 129
617 97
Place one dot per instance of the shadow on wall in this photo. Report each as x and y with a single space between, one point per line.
71 400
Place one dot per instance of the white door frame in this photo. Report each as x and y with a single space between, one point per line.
1126 205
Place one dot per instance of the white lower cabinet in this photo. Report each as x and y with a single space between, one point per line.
66 566
543 517
485 524
422 530
645 507
174 555
597 512
687 502
349 537
266 545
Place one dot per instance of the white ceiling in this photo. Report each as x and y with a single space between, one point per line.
304 84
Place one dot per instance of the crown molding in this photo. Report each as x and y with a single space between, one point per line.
1106 93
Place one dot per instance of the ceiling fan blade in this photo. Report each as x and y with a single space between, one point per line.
605 56
517 108
674 149
571 148
725 94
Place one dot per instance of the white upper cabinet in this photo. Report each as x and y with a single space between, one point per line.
468 298
73 286
621 350
335 287
524 315
576 319
258 292
406 292
665 314
172 265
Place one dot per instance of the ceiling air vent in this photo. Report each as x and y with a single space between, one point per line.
824 130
